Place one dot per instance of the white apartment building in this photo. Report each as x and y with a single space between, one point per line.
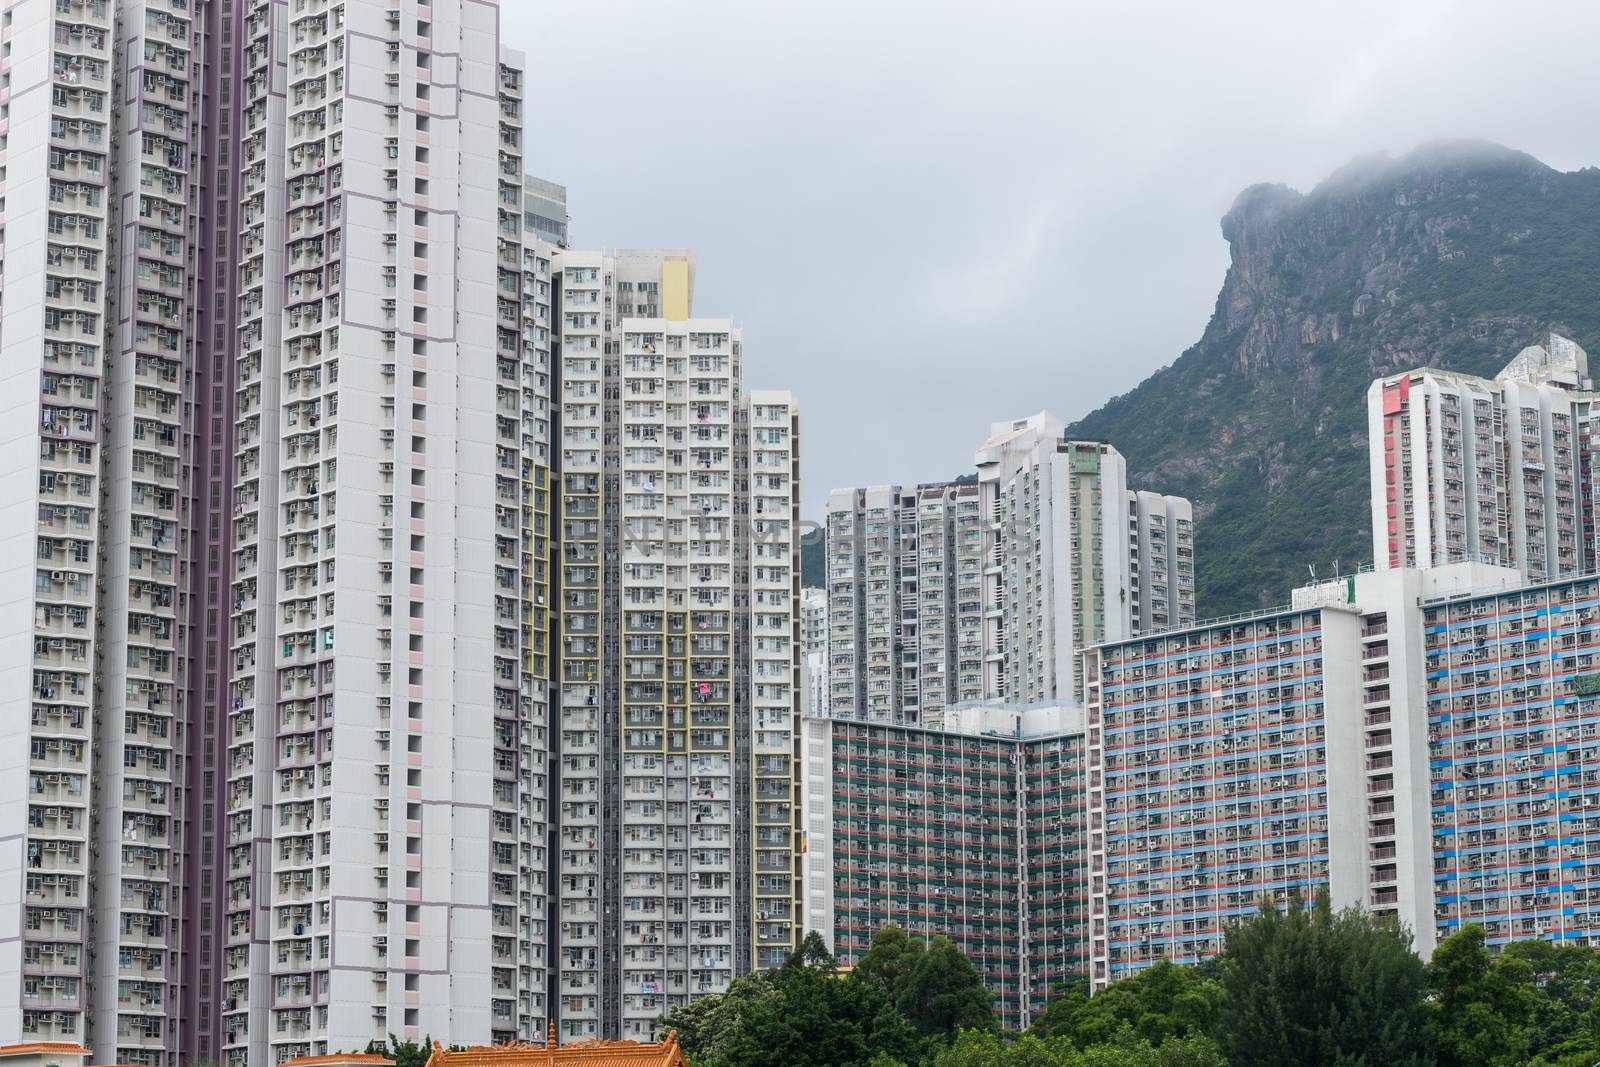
1493 470
985 589
1160 561
1075 558
369 587
311 495
55 306
904 599
680 658
1060 565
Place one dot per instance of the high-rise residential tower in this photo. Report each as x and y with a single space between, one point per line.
1493 470
680 650
1160 561
1416 742
1298 750
905 612
377 682
990 588
969 825
1061 573
56 313
1075 558
280 520
275 519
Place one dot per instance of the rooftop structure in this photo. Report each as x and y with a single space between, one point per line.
589 1053
544 209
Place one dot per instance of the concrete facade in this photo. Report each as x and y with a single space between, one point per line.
680 657
406 604
968 826
905 610
1222 759
990 588
1495 470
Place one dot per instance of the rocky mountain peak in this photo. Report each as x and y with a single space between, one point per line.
1457 254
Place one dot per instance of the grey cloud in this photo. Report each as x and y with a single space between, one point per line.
933 216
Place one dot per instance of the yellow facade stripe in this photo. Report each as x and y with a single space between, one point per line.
675 289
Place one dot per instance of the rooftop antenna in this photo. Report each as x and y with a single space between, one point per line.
1312 567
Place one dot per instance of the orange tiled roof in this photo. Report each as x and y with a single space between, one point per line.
348 1057
595 1053
66 1048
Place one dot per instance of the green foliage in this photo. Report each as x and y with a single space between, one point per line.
1455 256
891 959
1303 986
1308 986
1165 1001
979 1049
901 1000
403 1053
1533 1004
1484 1008
1566 979
941 993
803 1014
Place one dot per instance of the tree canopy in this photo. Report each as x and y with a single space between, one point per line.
1305 985
1296 986
1162 1002
804 1013
403 1053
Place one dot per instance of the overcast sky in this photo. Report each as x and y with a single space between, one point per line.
932 216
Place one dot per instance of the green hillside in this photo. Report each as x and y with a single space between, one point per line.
1455 256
